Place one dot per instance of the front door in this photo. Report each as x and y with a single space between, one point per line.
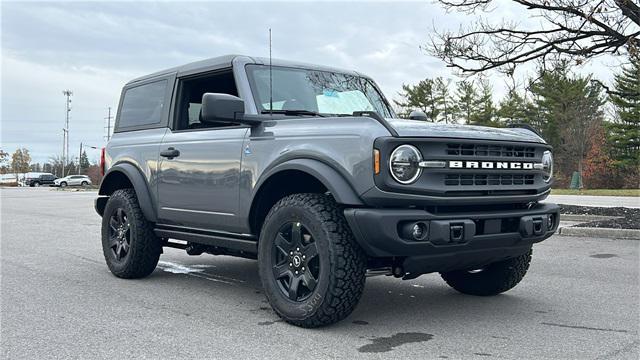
199 186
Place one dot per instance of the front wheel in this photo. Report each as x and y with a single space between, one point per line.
36 184
129 244
63 184
493 279
84 183
311 268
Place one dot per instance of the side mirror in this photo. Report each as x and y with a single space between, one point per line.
418 115
221 108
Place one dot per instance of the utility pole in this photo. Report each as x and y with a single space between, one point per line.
79 157
108 118
65 154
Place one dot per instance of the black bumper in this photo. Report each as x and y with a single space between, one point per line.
456 240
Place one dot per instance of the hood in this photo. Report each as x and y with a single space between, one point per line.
416 128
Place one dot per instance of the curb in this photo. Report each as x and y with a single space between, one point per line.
631 234
585 218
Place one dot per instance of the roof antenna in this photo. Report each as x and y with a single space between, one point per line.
270 78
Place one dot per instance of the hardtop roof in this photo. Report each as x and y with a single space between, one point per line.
227 60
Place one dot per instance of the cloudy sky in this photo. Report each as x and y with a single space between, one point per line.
93 48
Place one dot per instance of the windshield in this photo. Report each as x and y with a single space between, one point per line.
315 91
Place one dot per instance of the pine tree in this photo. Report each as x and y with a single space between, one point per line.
84 162
421 96
485 110
467 101
624 133
567 107
444 100
514 108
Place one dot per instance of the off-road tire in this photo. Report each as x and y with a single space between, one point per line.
145 246
493 279
342 262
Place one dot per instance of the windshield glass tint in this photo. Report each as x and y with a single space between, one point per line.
324 92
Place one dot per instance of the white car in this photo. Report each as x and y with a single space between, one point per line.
73 180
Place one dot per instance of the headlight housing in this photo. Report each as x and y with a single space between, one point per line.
547 165
404 164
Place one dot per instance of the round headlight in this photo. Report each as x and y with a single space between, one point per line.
403 164
547 165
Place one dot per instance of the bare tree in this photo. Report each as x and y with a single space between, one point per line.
577 29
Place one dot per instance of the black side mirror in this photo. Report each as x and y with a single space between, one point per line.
221 108
418 115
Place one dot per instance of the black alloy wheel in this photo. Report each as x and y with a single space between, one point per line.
119 234
297 267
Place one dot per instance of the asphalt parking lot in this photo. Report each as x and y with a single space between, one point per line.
580 300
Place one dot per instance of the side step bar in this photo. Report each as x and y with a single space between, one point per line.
229 241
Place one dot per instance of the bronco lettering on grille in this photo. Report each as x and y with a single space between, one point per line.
513 165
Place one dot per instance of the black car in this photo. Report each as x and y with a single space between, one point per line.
44 179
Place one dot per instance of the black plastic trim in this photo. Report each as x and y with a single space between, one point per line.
376 230
139 185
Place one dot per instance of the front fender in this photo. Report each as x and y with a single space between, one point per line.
112 181
341 190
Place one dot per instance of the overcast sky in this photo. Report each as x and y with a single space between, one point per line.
94 48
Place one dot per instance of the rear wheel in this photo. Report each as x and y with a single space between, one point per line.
129 245
493 279
312 270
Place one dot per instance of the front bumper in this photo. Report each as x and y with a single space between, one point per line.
455 240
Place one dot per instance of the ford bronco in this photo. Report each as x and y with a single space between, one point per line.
308 170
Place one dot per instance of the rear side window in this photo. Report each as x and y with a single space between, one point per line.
142 105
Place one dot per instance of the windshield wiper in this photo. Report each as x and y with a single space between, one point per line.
293 112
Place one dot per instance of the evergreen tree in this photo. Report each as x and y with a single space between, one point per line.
567 107
467 101
514 108
422 96
84 162
444 100
484 108
624 133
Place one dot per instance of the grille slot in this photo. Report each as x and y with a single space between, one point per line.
509 151
488 179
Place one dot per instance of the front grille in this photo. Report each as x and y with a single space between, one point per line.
488 179
490 150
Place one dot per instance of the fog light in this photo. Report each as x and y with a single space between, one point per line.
417 231
551 222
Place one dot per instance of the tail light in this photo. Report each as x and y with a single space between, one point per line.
102 163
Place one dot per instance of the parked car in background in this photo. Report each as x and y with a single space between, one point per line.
73 180
42 179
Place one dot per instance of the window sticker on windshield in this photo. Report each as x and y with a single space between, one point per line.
330 93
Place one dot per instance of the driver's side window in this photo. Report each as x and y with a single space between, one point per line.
190 98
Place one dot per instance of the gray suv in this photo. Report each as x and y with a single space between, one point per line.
308 170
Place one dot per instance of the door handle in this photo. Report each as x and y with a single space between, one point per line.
170 153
